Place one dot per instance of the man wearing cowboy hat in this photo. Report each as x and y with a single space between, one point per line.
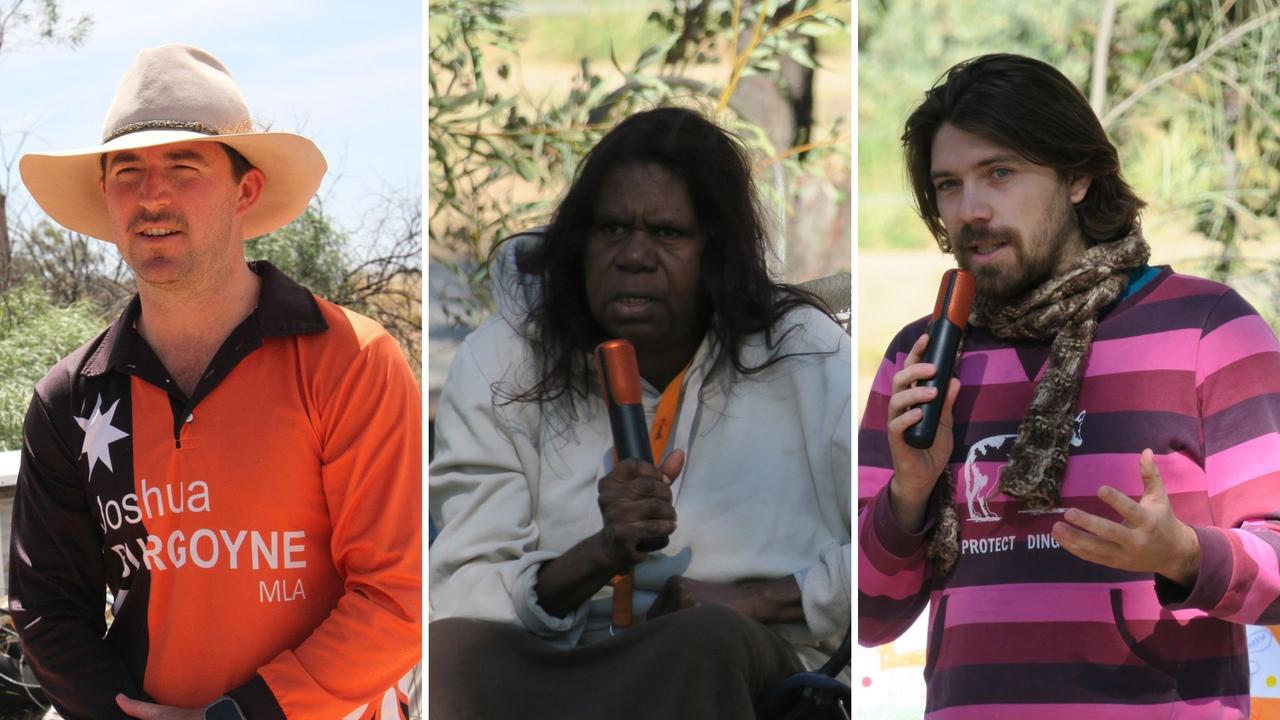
236 460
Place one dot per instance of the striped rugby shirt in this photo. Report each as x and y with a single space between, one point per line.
261 538
1023 629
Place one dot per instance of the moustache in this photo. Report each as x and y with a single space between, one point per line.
971 234
142 218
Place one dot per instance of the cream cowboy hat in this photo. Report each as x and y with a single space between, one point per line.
176 93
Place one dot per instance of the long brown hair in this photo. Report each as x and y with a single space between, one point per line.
1029 107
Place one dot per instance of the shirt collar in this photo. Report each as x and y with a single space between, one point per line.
284 308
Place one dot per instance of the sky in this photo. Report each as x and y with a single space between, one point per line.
347 75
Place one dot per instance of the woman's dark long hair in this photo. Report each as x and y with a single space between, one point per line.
1029 107
741 297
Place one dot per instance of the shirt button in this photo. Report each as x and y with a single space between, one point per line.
191 418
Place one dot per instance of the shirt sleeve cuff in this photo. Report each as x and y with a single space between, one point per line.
1211 581
824 592
559 631
896 540
256 700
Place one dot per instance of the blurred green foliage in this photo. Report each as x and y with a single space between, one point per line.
34 333
568 32
555 30
309 250
1192 98
499 160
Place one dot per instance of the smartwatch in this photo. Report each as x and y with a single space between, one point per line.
224 708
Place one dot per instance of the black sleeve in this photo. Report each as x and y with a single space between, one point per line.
57 587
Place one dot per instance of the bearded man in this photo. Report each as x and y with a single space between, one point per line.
1096 520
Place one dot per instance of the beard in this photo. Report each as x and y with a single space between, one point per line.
1035 258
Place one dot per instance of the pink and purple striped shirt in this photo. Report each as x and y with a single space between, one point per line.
1024 629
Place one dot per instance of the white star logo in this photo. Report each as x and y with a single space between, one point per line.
99 433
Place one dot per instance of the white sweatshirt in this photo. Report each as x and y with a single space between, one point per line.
764 493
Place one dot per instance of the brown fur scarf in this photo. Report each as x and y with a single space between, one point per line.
1064 308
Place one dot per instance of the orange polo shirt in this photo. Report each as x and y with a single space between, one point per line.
261 538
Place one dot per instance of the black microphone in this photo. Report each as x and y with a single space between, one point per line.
620 385
946 328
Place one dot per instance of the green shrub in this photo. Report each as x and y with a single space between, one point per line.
34 334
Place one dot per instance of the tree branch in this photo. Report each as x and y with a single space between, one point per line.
1101 52
1189 66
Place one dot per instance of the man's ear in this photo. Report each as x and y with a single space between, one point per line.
251 186
1079 186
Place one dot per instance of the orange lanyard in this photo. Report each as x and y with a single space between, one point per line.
668 405
664 419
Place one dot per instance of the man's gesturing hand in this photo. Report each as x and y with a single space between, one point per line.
915 472
635 504
149 711
1151 539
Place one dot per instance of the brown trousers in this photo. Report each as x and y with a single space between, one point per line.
703 663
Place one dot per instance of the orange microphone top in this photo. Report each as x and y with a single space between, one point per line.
619 372
955 297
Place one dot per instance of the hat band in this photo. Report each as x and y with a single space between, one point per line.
193 126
